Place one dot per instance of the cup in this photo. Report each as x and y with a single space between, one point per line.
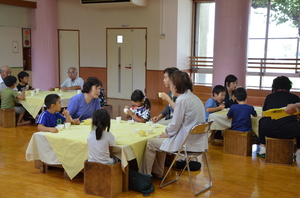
125 110
78 91
56 89
37 90
32 92
142 133
118 120
159 94
67 125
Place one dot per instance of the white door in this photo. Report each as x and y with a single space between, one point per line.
68 52
126 62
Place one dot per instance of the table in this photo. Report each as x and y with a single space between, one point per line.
221 122
33 104
69 147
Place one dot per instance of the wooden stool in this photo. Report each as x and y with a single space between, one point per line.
109 109
238 142
279 151
102 179
7 118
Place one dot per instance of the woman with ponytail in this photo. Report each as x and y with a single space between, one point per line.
100 140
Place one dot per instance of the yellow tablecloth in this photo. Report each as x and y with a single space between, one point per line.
70 146
221 122
33 104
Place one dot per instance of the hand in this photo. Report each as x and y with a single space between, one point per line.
27 87
163 135
165 96
76 121
129 112
64 88
221 106
154 119
126 107
51 89
290 109
53 130
65 112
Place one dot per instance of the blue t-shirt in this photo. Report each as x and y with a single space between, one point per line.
241 117
51 120
210 103
78 107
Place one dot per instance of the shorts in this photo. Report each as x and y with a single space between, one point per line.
19 109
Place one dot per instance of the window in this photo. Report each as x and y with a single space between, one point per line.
273 47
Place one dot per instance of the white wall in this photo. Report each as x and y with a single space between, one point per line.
92 24
11 16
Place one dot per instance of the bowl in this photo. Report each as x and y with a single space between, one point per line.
154 125
87 121
60 127
149 131
135 130
130 121
149 123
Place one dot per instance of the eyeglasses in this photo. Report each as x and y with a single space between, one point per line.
71 72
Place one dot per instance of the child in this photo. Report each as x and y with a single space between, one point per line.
23 79
100 141
8 97
214 104
241 112
140 109
48 119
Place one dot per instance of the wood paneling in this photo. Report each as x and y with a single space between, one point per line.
19 3
154 84
100 73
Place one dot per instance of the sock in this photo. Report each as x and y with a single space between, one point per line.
298 157
263 150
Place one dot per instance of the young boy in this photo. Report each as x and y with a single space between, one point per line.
23 79
241 112
9 95
214 104
48 119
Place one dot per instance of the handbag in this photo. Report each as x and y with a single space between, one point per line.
140 182
194 165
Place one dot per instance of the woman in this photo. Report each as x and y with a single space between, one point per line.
188 111
83 105
283 128
230 85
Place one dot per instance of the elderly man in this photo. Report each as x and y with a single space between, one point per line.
73 82
4 71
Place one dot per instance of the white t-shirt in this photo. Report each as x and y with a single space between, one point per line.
99 149
69 83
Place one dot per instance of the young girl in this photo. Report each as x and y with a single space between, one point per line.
100 141
140 109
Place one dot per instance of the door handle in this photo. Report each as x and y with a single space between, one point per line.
127 67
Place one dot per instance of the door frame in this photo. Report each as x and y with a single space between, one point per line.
146 52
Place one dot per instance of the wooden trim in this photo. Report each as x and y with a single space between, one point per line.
19 3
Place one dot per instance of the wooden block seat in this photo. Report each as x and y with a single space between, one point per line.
238 142
102 179
7 118
279 151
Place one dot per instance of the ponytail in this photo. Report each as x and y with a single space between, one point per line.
101 121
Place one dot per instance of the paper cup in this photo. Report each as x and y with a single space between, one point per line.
67 125
125 110
32 92
37 90
142 133
159 94
118 119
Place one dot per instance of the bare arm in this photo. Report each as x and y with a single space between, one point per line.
157 118
43 128
22 96
110 151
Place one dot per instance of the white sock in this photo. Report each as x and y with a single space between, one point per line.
263 150
298 157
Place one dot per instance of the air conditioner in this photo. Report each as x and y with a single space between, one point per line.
113 3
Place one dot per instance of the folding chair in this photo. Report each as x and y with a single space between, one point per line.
197 129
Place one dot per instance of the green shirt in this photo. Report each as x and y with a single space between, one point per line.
8 98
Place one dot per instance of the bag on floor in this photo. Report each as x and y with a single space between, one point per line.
140 182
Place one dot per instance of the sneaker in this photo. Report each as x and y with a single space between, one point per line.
262 152
298 157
